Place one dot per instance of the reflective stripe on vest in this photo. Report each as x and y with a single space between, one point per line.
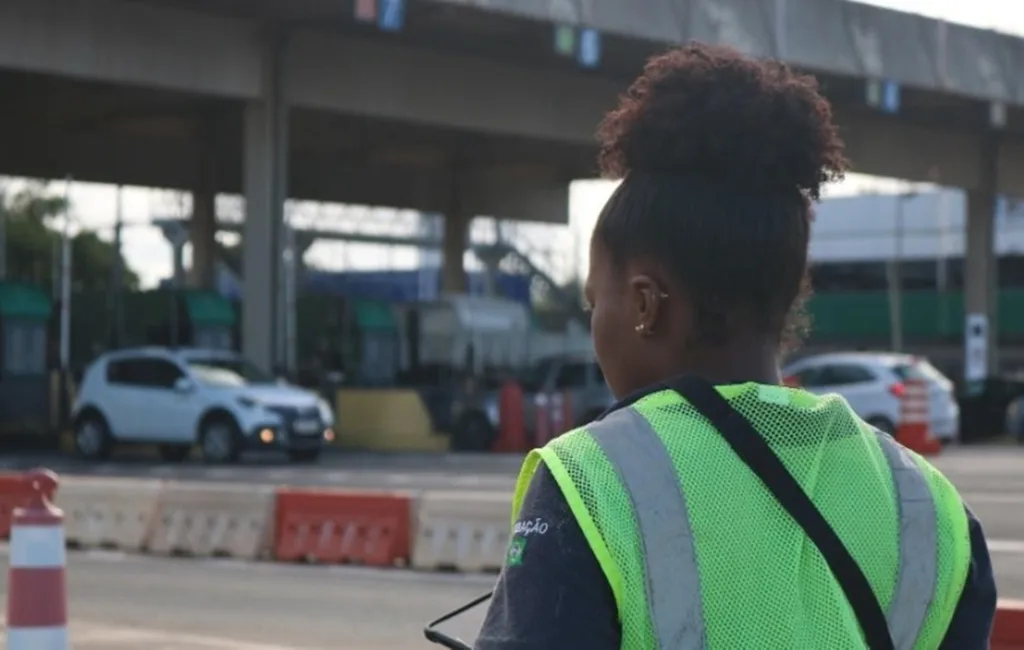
670 560
919 546
674 603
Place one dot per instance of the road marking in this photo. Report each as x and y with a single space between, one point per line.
1008 546
383 574
992 497
105 555
108 636
407 576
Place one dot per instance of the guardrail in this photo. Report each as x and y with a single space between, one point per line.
278 523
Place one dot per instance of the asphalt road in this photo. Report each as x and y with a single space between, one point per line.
120 602
981 469
338 469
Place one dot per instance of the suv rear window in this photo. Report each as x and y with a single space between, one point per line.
921 370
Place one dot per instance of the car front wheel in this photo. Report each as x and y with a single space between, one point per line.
92 437
220 440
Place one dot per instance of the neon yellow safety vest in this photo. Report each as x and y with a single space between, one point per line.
700 555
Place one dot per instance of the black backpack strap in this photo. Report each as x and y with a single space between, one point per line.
759 457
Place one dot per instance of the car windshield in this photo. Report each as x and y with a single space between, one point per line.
919 369
227 371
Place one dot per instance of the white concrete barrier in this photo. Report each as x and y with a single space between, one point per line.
461 531
108 513
213 519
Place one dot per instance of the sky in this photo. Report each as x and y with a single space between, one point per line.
147 252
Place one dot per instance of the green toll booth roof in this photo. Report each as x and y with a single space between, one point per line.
24 301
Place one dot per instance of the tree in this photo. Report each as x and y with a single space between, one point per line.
33 246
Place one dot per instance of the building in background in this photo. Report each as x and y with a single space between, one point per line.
854 238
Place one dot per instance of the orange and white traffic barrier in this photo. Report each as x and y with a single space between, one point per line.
914 428
37 612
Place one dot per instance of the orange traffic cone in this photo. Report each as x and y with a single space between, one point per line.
37 610
511 425
913 430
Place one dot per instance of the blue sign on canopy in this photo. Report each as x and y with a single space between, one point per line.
590 48
890 97
392 15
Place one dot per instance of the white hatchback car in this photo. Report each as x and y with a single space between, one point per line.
177 398
872 383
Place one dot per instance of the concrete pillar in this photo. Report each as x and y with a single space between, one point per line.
202 233
264 183
456 241
303 242
203 226
980 278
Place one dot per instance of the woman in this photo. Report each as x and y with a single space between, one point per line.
698 269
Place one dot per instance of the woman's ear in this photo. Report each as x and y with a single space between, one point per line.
647 300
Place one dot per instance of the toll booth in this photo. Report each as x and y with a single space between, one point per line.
183 317
25 395
355 338
374 348
320 324
102 320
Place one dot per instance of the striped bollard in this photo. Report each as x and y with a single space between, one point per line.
37 612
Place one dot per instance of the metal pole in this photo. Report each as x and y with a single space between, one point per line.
3 237
55 249
942 272
65 283
290 271
895 282
176 284
117 283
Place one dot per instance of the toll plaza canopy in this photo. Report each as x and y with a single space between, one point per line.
459 107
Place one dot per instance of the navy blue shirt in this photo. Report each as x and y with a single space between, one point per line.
552 593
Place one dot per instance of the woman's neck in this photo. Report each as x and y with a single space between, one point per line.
733 364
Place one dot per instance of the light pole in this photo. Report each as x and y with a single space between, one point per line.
65 282
895 275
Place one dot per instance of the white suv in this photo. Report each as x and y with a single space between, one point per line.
177 398
872 383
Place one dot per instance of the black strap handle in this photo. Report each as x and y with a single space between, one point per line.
759 457
440 638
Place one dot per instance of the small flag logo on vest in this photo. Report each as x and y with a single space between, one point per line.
366 11
565 40
515 552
